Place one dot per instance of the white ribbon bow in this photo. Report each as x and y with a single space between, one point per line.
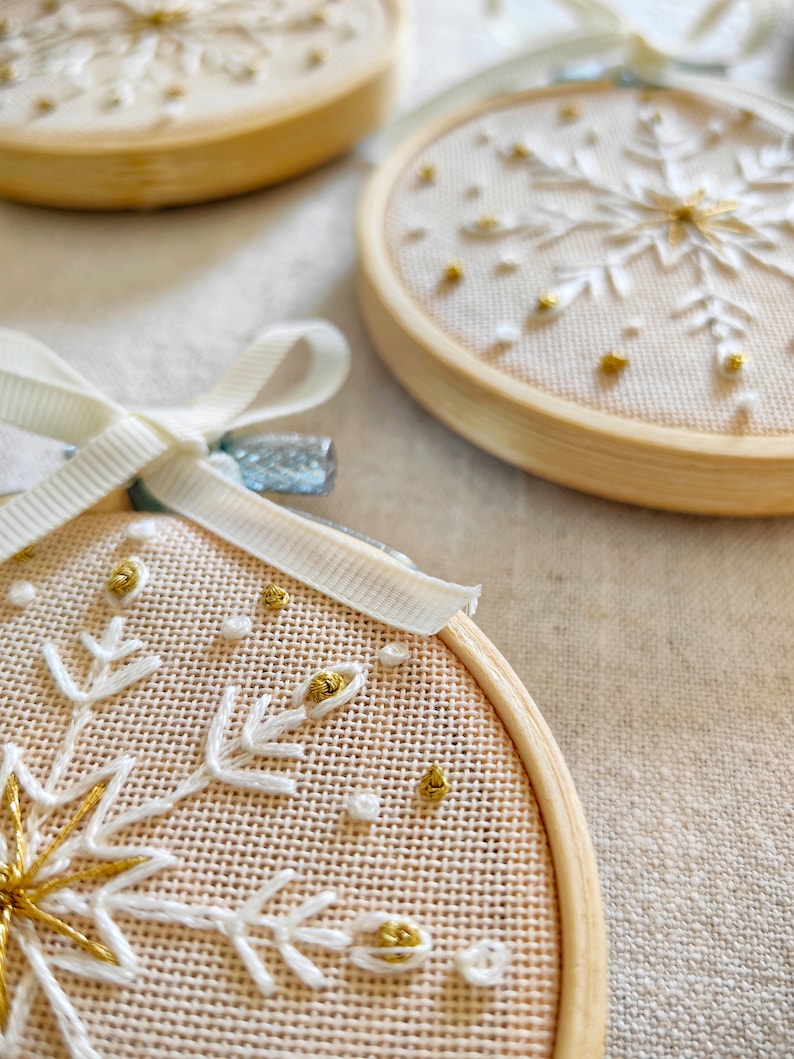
168 450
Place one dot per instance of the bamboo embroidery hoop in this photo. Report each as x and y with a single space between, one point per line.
169 167
564 440
581 1017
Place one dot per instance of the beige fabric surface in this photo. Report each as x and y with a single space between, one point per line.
657 646
475 865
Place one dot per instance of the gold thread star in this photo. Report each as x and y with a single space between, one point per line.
20 893
709 218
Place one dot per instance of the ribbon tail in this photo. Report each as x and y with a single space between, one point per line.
339 566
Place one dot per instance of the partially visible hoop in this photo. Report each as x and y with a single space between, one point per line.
581 1022
148 172
618 458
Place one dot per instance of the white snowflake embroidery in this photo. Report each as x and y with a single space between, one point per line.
715 229
123 47
92 836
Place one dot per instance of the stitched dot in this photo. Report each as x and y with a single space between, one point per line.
236 627
20 593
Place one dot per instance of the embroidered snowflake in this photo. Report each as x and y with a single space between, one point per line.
122 47
53 878
707 226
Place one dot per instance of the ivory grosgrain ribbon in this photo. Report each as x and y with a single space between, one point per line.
168 449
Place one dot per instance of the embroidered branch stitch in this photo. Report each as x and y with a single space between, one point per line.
43 883
710 226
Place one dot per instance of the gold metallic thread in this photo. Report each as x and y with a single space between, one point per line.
44 104
734 362
25 554
570 111
487 222
546 301
426 173
394 935
434 784
613 362
8 71
324 685
176 92
124 578
166 16
20 894
453 271
520 150
318 56
275 597
708 218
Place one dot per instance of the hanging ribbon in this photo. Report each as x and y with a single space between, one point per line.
168 449
602 33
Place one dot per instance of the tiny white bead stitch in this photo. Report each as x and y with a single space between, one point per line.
364 806
747 404
142 530
507 334
509 261
393 654
236 627
484 963
20 593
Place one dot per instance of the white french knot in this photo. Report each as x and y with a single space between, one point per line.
363 806
484 963
236 627
20 593
393 654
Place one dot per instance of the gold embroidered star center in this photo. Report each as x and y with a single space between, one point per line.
21 891
709 218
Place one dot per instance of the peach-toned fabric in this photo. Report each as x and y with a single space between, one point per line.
474 865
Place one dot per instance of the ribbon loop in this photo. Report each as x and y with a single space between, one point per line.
168 449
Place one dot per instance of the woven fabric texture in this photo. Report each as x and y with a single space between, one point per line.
605 169
107 69
474 865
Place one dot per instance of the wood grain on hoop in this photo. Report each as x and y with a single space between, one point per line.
581 1022
615 457
145 171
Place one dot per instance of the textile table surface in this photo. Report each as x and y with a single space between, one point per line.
657 646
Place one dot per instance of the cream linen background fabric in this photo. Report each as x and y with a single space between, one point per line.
658 647
475 865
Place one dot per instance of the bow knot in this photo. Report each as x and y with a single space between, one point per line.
168 449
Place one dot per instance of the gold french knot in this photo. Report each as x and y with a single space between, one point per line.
613 362
275 597
570 111
25 554
124 578
394 935
520 150
21 892
434 784
8 71
734 362
324 685
426 173
546 301
453 272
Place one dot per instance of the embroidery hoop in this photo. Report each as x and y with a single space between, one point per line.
568 442
170 167
581 1017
